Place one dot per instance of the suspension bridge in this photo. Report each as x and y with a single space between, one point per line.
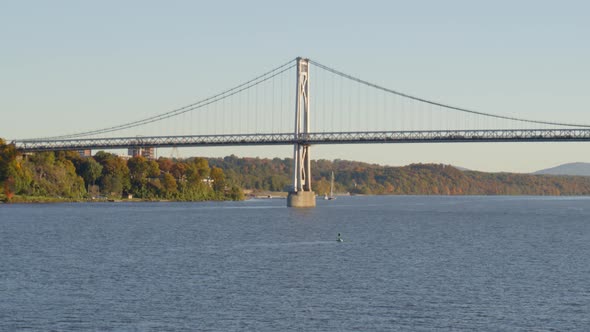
346 110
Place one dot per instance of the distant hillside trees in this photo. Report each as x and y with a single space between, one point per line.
416 179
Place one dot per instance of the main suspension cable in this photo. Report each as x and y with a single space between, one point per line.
358 80
204 102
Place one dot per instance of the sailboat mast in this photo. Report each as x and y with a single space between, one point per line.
332 185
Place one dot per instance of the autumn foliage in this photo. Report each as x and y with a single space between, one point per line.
416 179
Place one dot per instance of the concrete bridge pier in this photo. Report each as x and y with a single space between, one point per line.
301 199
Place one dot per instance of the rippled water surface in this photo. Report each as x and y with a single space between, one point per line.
406 263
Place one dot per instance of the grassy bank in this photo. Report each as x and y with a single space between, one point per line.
36 199
19 199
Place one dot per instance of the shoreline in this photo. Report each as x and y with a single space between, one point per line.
52 200
55 200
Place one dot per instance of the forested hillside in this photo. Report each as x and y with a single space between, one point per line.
417 179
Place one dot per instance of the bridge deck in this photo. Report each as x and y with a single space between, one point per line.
433 136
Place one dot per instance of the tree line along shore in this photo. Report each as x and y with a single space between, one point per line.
67 176
360 178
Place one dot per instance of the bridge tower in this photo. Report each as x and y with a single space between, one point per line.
301 195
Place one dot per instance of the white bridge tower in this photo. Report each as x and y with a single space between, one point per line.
301 195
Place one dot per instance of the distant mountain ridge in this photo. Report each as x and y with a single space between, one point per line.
579 169
461 168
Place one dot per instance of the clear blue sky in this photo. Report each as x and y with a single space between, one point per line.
66 65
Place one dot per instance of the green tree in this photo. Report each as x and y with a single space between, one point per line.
115 174
19 178
218 179
90 170
202 167
169 185
7 155
138 174
153 169
236 193
52 177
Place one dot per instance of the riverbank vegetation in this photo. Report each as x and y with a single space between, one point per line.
67 176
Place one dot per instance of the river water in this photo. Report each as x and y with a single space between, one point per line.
407 263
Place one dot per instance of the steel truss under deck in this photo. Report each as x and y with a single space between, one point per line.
426 136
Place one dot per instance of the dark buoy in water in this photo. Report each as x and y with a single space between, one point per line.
339 238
